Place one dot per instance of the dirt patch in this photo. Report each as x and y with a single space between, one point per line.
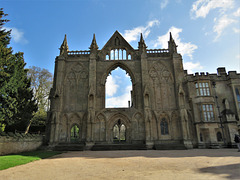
185 164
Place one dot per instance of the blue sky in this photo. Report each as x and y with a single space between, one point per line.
207 32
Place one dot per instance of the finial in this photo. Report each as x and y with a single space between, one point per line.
94 43
171 36
172 45
141 43
64 46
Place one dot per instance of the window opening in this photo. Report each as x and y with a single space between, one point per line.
119 132
124 54
118 89
207 110
164 127
75 133
129 57
202 88
238 97
118 54
219 136
201 137
112 55
107 57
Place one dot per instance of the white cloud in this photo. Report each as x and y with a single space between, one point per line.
201 8
236 30
111 86
133 34
237 13
221 24
17 35
120 101
190 66
164 4
183 47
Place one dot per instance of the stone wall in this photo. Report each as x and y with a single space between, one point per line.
18 142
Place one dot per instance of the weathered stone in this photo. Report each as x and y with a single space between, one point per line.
168 105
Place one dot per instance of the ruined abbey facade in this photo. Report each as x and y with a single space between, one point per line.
168 105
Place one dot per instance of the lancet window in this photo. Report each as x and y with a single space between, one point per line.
118 54
164 127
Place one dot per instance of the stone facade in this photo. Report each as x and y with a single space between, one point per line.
168 106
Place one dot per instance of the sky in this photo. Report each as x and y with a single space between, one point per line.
207 32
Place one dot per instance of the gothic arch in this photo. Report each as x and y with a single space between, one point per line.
114 120
100 127
114 66
164 120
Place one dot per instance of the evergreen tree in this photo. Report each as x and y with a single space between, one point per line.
16 97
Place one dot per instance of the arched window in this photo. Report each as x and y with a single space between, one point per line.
118 54
119 132
129 57
164 127
124 55
74 133
219 136
107 57
118 89
112 55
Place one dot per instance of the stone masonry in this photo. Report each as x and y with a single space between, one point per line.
168 105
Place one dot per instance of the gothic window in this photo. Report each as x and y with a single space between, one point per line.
202 88
238 97
129 57
107 57
117 42
115 89
219 136
112 55
74 133
118 54
164 127
208 113
124 54
119 132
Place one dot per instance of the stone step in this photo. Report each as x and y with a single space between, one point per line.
110 147
169 147
69 147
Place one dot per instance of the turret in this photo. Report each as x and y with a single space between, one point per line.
172 45
64 47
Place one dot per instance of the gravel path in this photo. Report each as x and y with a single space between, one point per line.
80 165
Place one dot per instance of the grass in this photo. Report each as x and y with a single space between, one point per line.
24 158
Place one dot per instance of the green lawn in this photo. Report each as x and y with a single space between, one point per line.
24 158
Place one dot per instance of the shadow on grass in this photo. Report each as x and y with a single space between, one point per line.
231 171
40 154
24 158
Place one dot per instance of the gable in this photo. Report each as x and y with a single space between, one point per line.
117 41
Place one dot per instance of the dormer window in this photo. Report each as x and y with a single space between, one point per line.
118 54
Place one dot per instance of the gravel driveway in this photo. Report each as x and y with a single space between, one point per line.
152 164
